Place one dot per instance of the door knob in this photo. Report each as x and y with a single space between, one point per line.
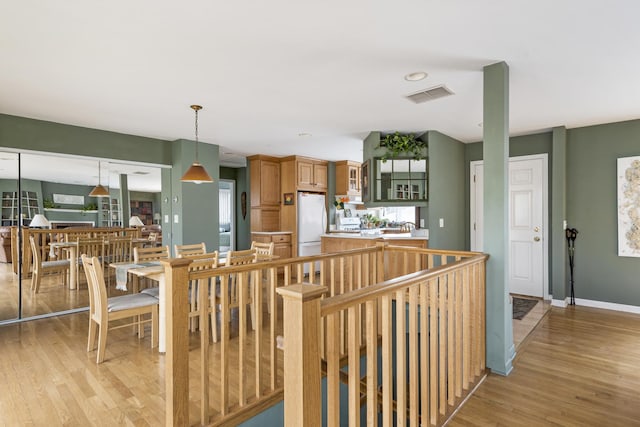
536 229
536 239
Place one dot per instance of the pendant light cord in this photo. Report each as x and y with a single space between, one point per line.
196 108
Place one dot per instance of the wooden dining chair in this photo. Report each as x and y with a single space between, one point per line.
148 254
185 251
103 310
238 283
117 249
198 302
263 249
264 252
40 268
91 247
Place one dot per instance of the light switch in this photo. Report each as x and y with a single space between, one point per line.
176 218
441 222
166 219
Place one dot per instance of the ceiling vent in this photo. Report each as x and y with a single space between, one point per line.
430 94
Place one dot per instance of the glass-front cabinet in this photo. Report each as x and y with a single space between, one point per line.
401 180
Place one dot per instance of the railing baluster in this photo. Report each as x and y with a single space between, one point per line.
372 362
401 360
413 355
354 365
387 363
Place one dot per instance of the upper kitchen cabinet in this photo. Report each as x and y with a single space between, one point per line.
348 178
309 174
264 181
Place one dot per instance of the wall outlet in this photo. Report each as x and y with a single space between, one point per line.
441 222
421 222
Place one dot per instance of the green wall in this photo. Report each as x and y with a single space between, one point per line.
590 205
38 135
446 192
51 188
592 153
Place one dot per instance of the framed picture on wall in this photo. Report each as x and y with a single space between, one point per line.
288 198
628 202
364 177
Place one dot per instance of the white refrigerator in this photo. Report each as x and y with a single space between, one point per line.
312 222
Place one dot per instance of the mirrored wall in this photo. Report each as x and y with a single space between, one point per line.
57 188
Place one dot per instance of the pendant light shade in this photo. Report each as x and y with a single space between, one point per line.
196 172
99 190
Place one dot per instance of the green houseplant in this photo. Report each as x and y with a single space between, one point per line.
397 143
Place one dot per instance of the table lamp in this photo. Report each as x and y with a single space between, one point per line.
39 221
135 221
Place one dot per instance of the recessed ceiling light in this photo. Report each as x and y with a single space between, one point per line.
417 76
304 135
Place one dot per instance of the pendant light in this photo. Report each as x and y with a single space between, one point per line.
99 190
196 172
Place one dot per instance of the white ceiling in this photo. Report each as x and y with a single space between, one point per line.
266 72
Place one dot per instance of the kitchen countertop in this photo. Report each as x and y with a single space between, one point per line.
388 236
269 233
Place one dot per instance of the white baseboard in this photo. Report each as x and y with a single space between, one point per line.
608 305
564 303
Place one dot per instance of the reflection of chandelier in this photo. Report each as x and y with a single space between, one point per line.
99 190
196 172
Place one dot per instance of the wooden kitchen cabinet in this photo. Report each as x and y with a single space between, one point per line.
311 174
348 178
281 240
264 185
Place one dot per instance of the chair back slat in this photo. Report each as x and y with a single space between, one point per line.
187 251
246 256
263 248
150 254
119 249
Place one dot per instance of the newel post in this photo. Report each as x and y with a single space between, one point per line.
176 281
302 387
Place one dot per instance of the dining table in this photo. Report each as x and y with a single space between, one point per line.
152 270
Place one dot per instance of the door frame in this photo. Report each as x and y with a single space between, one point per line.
232 236
545 212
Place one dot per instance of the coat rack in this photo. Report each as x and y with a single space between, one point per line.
571 234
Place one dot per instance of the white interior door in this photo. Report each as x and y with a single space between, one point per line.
528 213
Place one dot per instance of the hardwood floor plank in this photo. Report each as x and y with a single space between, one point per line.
578 368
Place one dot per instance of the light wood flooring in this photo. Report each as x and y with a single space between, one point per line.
579 367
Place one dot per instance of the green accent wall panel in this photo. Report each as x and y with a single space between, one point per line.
446 192
38 135
592 153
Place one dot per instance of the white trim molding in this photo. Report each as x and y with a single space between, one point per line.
608 305
562 303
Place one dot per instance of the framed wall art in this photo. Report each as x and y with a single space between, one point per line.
629 206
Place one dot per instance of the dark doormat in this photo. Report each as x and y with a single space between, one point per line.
521 306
